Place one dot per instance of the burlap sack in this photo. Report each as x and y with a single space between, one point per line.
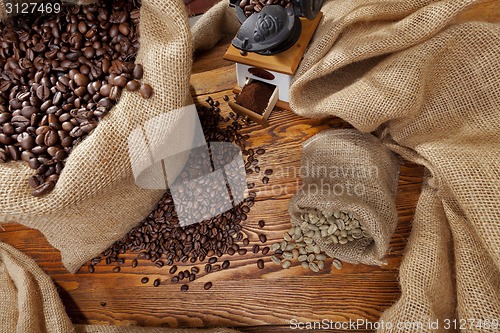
30 303
431 86
345 170
96 201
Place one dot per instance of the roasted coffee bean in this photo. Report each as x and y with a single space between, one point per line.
173 269
144 280
134 263
207 285
260 264
262 224
225 264
208 268
192 277
265 180
212 260
242 252
195 270
43 189
91 269
138 72
184 287
146 91
262 238
133 85
156 282
256 248
174 279
116 269
265 250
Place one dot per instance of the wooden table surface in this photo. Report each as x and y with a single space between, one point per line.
243 296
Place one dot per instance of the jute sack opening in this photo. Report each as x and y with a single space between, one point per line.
96 201
429 83
30 302
345 170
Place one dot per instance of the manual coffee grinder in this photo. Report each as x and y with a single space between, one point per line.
269 47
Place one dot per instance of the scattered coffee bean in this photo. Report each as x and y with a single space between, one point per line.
207 285
268 172
146 91
116 269
134 263
225 264
103 303
91 269
260 264
156 282
262 224
262 238
184 287
225 98
265 180
144 280
212 260
173 269
265 250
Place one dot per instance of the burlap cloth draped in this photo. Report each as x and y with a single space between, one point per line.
431 87
30 303
96 201
352 172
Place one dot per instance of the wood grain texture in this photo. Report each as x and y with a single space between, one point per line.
243 296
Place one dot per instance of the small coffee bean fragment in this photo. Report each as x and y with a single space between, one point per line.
146 91
103 303
156 282
260 264
207 285
184 287
144 280
91 269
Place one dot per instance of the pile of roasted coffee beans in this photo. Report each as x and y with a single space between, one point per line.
60 75
160 239
255 6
